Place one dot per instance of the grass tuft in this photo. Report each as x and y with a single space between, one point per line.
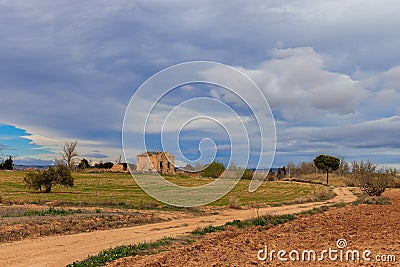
365 199
51 212
266 220
118 252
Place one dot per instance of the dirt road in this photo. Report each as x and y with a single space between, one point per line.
64 249
346 231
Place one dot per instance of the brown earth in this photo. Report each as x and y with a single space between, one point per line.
20 226
63 249
372 227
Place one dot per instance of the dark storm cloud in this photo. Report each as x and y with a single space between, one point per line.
69 68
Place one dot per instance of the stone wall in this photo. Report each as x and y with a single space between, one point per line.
161 162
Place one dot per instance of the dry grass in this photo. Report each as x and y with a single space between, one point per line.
16 226
319 194
320 178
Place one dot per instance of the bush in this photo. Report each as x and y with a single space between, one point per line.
396 183
365 199
248 174
101 165
351 180
60 175
214 170
374 184
271 175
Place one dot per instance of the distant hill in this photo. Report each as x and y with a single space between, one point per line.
35 167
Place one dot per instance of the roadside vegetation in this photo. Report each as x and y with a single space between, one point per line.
119 252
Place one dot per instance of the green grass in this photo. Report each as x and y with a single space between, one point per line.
51 212
266 220
120 189
118 252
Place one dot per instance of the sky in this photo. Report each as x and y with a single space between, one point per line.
329 70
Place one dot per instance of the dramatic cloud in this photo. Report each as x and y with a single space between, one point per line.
329 69
300 89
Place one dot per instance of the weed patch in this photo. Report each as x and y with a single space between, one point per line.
118 252
260 221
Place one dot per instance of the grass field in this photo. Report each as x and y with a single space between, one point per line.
120 189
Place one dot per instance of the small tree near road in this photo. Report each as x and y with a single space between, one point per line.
59 175
69 153
327 163
371 180
374 184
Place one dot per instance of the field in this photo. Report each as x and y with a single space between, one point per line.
113 202
120 189
359 228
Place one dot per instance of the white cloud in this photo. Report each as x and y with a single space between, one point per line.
299 88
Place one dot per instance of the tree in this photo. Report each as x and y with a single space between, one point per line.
84 164
69 153
59 175
101 165
327 163
214 170
8 164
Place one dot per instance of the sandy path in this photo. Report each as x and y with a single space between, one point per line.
64 249
362 227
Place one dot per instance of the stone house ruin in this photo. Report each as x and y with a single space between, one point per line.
161 162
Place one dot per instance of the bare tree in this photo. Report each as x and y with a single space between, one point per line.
69 153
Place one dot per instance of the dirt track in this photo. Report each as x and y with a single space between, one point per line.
64 249
373 228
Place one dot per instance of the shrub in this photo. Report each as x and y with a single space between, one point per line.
248 174
60 175
365 199
351 180
101 165
375 183
214 170
281 173
271 175
396 183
